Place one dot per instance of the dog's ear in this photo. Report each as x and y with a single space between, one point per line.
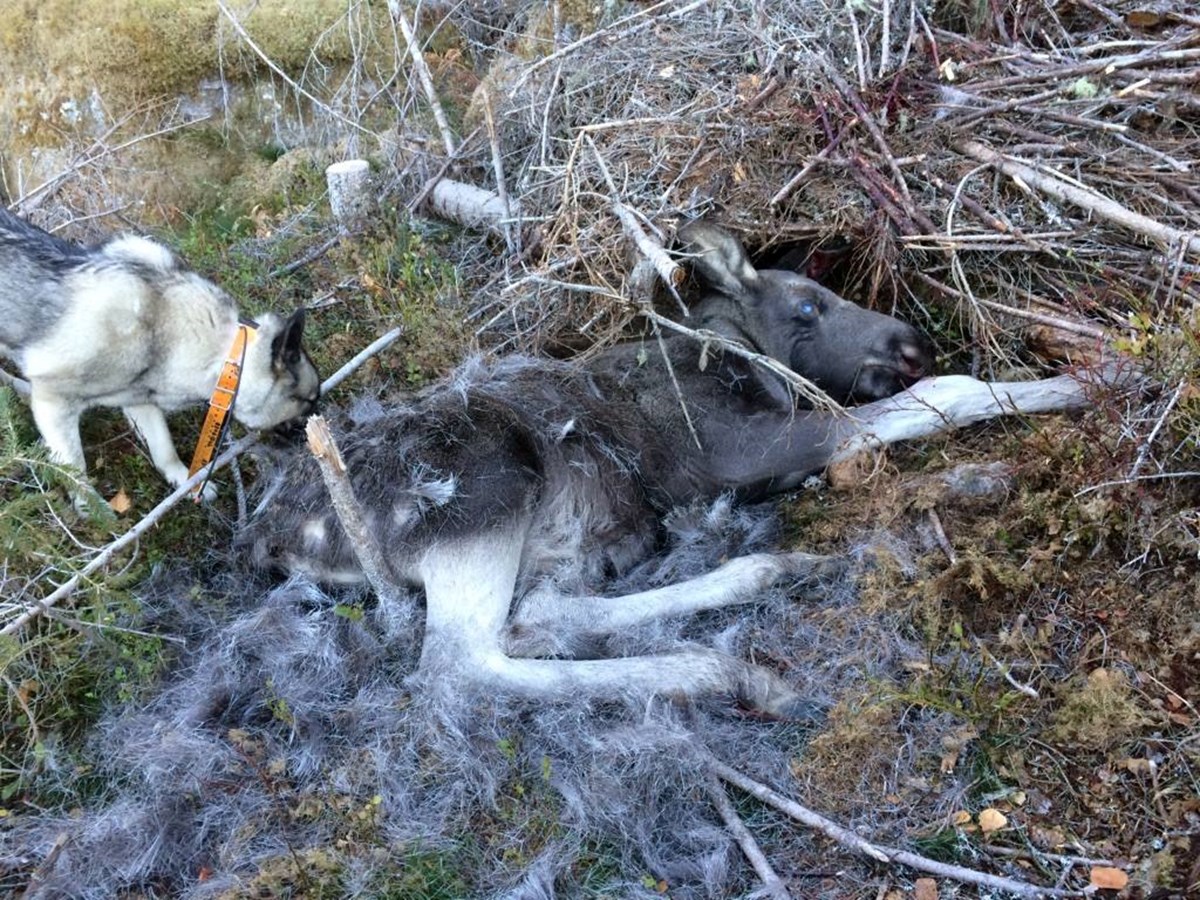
286 347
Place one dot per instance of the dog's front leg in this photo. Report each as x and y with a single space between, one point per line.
57 420
148 420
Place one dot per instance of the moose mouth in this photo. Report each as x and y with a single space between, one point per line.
879 378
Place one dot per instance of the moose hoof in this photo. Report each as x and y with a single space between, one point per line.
813 572
768 695
795 708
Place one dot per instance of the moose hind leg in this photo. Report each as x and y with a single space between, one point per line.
468 592
548 623
686 675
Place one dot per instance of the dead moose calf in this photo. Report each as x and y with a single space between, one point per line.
507 490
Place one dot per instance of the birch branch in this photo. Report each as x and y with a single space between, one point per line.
668 270
1084 198
772 883
418 58
849 839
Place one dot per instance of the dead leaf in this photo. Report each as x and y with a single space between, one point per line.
1108 879
1144 18
925 889
992 820
854 471
1138 766
120 503
1047 838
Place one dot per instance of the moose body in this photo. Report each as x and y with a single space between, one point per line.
507 492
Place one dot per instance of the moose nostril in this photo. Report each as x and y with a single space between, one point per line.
915 359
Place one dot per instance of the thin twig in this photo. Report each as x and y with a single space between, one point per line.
1074 327
1144 451
321 105
772 883
610 31
849 839
33 198
311 256
510 241
795 181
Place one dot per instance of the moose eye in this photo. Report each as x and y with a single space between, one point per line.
806 310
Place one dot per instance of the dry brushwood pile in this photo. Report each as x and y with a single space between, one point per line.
1012 668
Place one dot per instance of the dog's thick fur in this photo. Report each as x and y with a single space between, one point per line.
126 324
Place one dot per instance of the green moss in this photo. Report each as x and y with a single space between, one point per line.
1098 712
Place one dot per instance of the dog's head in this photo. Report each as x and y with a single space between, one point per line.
279 380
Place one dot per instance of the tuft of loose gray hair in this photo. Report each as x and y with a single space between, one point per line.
292 726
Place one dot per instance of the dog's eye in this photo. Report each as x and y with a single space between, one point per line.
807 310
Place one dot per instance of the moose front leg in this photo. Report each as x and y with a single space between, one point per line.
954 401
775 451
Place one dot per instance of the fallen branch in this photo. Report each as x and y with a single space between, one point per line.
849 839
772 883
471 206
148 521
668 270
418 58
1085 198
366 549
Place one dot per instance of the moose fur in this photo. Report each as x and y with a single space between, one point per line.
507 492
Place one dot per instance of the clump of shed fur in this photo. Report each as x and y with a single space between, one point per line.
293 724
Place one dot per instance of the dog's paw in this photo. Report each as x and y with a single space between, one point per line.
208 492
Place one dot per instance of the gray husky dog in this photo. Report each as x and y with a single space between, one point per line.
126 324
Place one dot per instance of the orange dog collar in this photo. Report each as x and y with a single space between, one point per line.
221 403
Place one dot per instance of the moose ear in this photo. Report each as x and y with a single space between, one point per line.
719 259
286 348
